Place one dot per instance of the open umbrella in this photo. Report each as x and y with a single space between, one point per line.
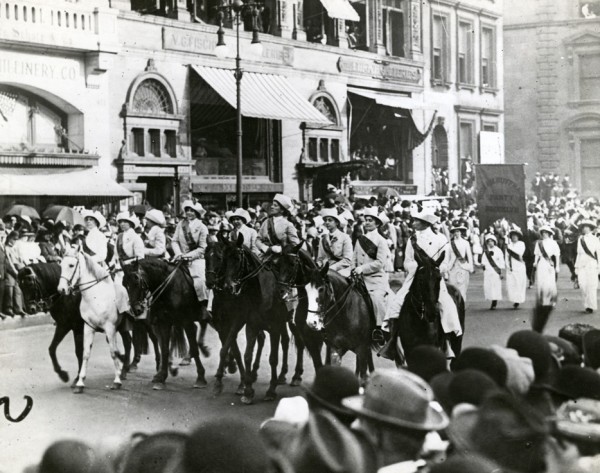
22 211
63 213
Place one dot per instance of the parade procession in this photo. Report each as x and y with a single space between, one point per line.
350 236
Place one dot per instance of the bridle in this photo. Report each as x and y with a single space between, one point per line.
218 273
324 310
84 286
32 281
152 296
418 304
244 266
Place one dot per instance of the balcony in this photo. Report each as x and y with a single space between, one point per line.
47 158
59 25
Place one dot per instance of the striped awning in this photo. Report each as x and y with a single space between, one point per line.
389 99
268 96
340 9
86 183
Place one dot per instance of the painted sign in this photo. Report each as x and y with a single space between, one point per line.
385 70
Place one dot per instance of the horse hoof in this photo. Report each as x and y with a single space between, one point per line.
158 386
173 370
200 384
232 367
270 397
115 386
64 376
205 351
240 391
78 390
123 374
296 382
246 400
281 380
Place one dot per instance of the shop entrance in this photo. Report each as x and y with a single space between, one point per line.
159 190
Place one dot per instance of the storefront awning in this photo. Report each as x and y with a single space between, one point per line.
267 96
340 9
86 183
391 100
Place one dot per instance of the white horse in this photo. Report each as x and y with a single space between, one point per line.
78 272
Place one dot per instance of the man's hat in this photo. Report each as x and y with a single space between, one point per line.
532 345
331 385
470 386
372 212
284 201
426 361
575 382
156 216
100 220
484 360
127 217
242 214
196 207
398 398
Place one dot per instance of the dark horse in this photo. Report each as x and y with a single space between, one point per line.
340 307
174 304
419 322
254 285
39 283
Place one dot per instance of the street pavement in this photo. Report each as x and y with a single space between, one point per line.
105 416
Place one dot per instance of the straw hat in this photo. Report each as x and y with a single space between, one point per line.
284 201
516 230
587 222
240 213
490 236
426 216
196 207
156 216
100 220
372 212
127 217
547 228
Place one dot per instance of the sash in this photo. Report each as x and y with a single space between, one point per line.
368 246
545 255
421 252
459 257
512 255
85 248
587 250
120 251
490 259
187 234
271 232
327 248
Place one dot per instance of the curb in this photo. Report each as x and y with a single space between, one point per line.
12 323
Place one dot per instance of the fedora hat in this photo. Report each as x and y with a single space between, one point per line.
196 207
331 213
575 382
156 216
241 214
331 385
372 212
284 201
127 217
100 220
484 360
417 409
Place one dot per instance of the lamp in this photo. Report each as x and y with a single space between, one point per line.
221 50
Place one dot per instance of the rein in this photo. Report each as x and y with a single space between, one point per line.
85 285
341 302
154 295
252 273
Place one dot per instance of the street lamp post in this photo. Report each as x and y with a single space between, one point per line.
239 8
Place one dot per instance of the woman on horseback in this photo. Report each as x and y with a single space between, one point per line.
156 242
129 248
239 220
95 243
335 246
277 232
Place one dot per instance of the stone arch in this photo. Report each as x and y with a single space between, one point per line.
159 95
326 104
439 147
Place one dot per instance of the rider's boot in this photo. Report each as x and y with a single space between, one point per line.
389 349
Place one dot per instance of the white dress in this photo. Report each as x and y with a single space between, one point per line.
546 271
492 282
586 268
516 274
460 266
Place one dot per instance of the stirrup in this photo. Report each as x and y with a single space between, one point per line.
378 336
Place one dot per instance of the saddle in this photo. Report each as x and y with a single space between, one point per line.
359 284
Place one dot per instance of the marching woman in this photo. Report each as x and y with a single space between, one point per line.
335 246
586 265
492 260
546 263
460 262
239 220
516 273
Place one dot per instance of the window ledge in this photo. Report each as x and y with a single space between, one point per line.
466 86
489 90
582 103
441 83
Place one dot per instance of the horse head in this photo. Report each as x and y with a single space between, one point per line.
214 263
320 296
70 271
137 289
427 284
235 267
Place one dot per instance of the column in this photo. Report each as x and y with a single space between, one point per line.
375 26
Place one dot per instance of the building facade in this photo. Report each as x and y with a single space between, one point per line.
553 88
359 95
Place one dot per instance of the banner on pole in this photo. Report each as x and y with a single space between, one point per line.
501 194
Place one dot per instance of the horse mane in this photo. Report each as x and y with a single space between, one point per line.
46 272
306 258
94 268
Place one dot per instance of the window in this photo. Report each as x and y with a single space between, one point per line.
313 154
467 141
589 77
489 127
154 136
465 53
152 97
440 147
590 166
440 49
170 143
488 57
137 141
393 27
335 151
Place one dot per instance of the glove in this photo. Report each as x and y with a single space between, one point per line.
276 249
358 270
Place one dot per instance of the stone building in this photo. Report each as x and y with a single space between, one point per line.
552 76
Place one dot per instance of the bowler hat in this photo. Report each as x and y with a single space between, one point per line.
574 333
574 382
72 456
484 360
564 351
426 361
470 386
440 384
331 385
591 349
534 346
380 403
153 453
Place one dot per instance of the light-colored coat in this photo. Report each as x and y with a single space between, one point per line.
131 244
459 273
199 233
587 268
250 236
341 247
516 274
284 231
97 242
545 274
156 244
373 271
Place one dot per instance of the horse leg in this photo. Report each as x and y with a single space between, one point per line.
313 344
164 336
363 353
229 344
140 342
251 335
285 347
273 360
203 326
190 331
78 339
127 342
370 364
59 334
299 370
155 344
111 339
88 341
259 349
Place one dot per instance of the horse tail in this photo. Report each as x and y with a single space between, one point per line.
179 346
140 337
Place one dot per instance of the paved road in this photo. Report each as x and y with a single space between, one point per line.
103 414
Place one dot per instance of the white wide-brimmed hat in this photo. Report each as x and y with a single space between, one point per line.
331 213
240 213
284 201
372 212
196 207
100 220
516 230
426 216
587 222
490 236
127 217
156 216
547 229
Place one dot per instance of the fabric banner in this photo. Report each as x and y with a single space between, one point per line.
501 194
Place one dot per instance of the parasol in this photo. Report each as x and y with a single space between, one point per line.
23 211
65 214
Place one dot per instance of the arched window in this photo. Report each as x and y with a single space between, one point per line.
324 105
439 144
323 144
152 97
